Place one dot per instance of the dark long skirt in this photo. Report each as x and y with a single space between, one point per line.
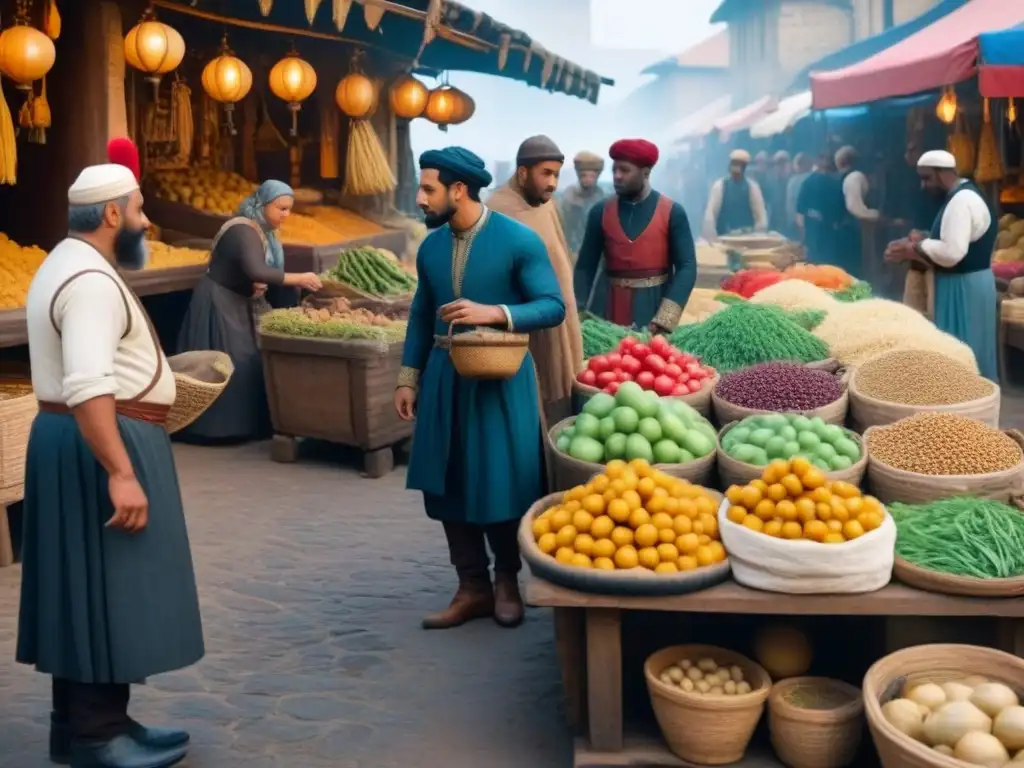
99 605
219 319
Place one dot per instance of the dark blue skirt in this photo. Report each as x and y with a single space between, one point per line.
99 605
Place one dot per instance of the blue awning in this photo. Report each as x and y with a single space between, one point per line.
869 46
1002 48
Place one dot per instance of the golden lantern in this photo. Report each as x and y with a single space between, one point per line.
357 96
153 48
465 107
408 97
293 80
449 106
1011 111
26 54
227 80
945 110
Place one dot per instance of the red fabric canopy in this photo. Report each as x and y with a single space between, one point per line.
943 53
746 116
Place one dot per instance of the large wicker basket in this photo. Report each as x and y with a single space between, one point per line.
927 663
18 408
700 400
199 376
702 729
486 354
815 737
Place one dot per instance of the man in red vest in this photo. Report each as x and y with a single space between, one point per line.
649 257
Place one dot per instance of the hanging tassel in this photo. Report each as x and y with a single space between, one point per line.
51 20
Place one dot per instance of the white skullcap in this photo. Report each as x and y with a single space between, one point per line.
937 158
739 156
780 156
101 184
844 154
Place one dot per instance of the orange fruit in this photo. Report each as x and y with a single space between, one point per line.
684 524
667 535
658 503
584 544
852 529
871 504
631 479
604 564
622 536
834 538
561 518
646 487
648 557
638 517
614 468
821 494
749 496
602 527
805 510
566 536
618 510
678 489
687 507
572 506
642 467
698 527
581 561
593 504
839 510
604 548
564 555
734 493
703 538
845 490
618 487
705 506
672 506
773 528
777 492
815 530
687 543
792 530
855 506
668 553
626 557
735 514
646 535
775 471
547 543
687 563
600 483
812 478
753 522
717 551
760 484
800 466
765 509
661 520
632 498
834 526
609 496
666 568
869 521
792 485
823 511
710 524
705 556
582 521
786 509
541 526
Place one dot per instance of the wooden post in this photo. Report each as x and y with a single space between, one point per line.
570 640
6 545
604 678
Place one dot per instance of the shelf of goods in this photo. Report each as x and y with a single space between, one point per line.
330 374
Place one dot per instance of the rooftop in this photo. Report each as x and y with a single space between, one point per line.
711 53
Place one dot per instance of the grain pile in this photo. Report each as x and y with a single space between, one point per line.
796 294
943 444
779 387
920 377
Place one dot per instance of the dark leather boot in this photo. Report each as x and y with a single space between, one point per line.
124 752
473 600
60 740
508 603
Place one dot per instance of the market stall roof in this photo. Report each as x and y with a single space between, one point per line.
869 46
1001 69
790 112
431 35
711 53
746 116
943 53
699 123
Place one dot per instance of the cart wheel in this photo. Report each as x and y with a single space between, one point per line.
284 449
379 463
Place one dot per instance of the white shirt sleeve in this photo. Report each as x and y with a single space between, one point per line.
965 219
855 189
91 316
757 207
711 212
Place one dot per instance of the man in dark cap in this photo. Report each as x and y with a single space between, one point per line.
645 239
476 451
578 199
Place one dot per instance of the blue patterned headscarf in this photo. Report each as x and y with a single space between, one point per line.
252 208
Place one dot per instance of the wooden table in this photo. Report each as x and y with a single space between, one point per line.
588 634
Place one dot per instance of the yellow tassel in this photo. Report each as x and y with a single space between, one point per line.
8 144
51 20
41 114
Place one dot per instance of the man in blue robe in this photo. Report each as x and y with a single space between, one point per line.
477 454
820 208
958 250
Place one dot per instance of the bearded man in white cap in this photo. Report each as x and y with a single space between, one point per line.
736 202
958 252
108 594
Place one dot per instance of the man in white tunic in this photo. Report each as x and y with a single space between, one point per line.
958 251
108 594
736 202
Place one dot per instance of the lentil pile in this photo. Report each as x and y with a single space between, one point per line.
943 444
920 377
746 334
779 386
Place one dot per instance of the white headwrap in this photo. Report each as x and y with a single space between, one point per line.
937 158
101 184
739 156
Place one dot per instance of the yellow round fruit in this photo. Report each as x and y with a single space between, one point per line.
614 468
834 538
823 511
688 543
792 530
750 495
564 555
834 526
617 487
687 508
815 530
602 527
734 493
705 506
821 495
573 505
547 543
603 548
648 557
632 498
626 557
757 482
753 522
622 536
705 556
845 490
773 528
594 503
855 506
667 535
698 527
678 489
646 487
561 518
582 521
687 563
661 520
618 510
800 465
600 483
786 509
869 521
666 568
852 529
639 517
839 510
735 514
642 467
566 536
604 564
765 509
776 492
709 523
717 551
792 485
672 506
668 553
581 561
541 526
812 479
584 544
658 503
805 509
703 538
631 479
775 471
646 535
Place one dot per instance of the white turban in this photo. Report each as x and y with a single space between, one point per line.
101 184
845 155
739 156
937 158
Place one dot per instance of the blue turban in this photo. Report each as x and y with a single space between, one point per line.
460 163
252 208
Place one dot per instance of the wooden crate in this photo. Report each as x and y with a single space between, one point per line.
339 391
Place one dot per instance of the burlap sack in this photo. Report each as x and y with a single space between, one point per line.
833 413
866 411
700 400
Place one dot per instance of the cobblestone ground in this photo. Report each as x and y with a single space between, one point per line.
313 581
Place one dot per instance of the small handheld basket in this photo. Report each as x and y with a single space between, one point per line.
487 354
199 376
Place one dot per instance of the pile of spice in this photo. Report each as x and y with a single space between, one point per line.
779 386
746 334
796 294
943 444
920 377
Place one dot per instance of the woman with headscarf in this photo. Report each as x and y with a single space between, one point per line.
245 259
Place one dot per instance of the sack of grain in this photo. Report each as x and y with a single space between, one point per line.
802 567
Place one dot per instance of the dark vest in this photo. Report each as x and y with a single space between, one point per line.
979 253
735 212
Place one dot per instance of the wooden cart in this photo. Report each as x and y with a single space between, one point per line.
588 633
340 391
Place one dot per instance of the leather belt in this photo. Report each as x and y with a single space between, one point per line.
638 282
151 413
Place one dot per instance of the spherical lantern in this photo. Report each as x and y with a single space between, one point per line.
441 106
408 98
946 109
154 48
227 80
293 80
465 107
26 55
357 96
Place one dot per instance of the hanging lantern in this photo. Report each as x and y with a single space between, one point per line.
1011 111
293 80
26 54
465 107
449 106
408 97
154 48
945 110
227 80
357 96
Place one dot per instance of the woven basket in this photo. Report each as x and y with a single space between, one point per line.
700 400
833 413
947 584
569 472
1012 311
927 663
18 408
636 582
815 738
199 376
487 355
733 472
707 730
866 411
890 484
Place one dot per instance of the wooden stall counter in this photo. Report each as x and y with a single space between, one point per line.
588 633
